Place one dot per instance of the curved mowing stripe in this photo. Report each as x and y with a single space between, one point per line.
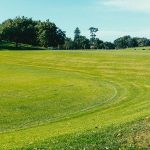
74 114
126 73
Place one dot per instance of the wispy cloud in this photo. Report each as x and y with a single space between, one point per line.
130 5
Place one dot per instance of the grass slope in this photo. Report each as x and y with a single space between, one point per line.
4 45
52 94
131 136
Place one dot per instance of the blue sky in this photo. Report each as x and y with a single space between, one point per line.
114 18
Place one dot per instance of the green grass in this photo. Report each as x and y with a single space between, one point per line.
47 95
4 45
131 136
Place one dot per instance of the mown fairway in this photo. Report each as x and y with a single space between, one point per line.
48 94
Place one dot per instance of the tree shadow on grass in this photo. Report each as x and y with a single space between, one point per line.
11 46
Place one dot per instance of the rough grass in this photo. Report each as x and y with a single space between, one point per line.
133 136
52 94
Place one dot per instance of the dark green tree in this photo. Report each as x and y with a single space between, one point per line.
127 42
142 42
132 42
99 44
49 35
69 44
60 37
81 43
122 42
84 42
46 33
0 32
19 30
77 33
109 45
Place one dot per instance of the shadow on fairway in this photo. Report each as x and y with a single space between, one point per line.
11 46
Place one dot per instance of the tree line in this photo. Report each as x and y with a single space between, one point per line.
47 34
27 31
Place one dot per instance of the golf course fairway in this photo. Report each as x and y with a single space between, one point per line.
61 99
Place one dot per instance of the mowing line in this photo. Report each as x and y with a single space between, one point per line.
71 115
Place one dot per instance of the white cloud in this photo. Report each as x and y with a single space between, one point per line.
130 5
